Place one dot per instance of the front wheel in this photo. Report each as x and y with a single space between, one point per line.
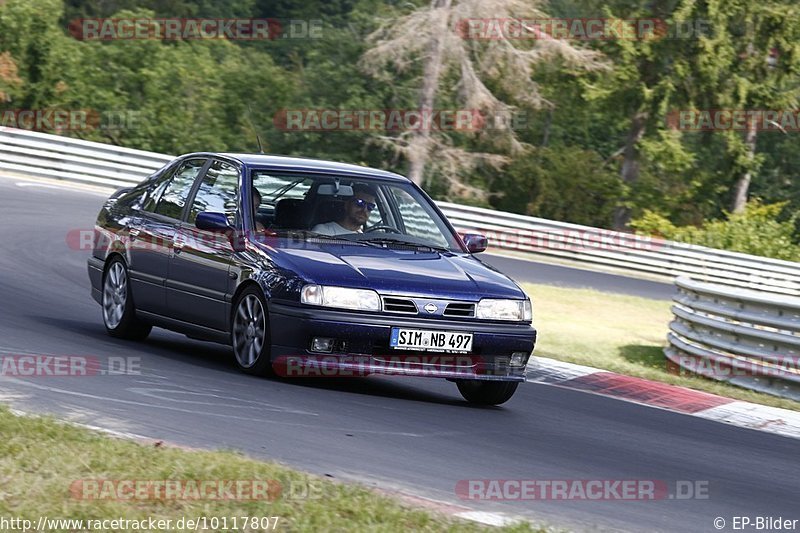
119 313
486 392
250 333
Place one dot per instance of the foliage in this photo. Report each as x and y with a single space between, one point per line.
568 183
757 230
749 60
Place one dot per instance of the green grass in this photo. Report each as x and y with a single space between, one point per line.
624 334
40 458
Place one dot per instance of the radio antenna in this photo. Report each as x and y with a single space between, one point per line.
258 137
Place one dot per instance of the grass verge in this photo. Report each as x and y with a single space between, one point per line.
41 459
624 334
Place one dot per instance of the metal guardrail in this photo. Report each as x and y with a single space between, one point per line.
53 156
626 252
744 337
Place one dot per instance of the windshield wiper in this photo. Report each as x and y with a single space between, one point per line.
358 238
274 195
324 237
388 241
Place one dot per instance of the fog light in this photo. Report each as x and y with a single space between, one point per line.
519 359
322 344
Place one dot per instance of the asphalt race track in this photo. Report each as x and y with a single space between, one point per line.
414 435
527 271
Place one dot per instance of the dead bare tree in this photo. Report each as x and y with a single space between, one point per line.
458 40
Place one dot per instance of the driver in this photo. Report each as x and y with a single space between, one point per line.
356 212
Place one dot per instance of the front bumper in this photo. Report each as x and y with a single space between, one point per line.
363 345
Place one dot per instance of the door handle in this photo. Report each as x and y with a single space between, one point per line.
134 233
177 246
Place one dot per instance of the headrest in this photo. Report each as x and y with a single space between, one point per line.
291 213
328 211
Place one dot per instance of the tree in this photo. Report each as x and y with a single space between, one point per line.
749 61
637 94
560 183
29 35
9 80
492 76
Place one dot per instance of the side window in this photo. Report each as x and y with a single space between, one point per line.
217 192
133 198
174 198
157 189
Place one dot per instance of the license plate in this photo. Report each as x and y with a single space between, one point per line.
431 341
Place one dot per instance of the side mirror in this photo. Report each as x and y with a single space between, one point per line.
212 221
218 222
475 242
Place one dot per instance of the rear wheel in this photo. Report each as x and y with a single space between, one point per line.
486 392
250 333
119 312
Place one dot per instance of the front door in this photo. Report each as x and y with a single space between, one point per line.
153 232
199 279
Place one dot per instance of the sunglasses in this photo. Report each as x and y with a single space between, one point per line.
362 204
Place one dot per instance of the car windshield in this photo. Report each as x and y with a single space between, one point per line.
359 210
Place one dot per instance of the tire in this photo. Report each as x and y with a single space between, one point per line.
119 311
486 392
250 336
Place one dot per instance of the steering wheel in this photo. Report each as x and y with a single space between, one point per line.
385 227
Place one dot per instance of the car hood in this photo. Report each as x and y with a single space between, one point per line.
390 271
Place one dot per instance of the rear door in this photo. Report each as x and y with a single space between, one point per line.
152 234
199 279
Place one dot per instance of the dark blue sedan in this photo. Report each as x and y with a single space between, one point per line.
309 268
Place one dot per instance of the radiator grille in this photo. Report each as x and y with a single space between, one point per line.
399 305
460 309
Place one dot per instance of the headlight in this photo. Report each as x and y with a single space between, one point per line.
517 310
342 297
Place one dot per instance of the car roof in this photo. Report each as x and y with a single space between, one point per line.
305 164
